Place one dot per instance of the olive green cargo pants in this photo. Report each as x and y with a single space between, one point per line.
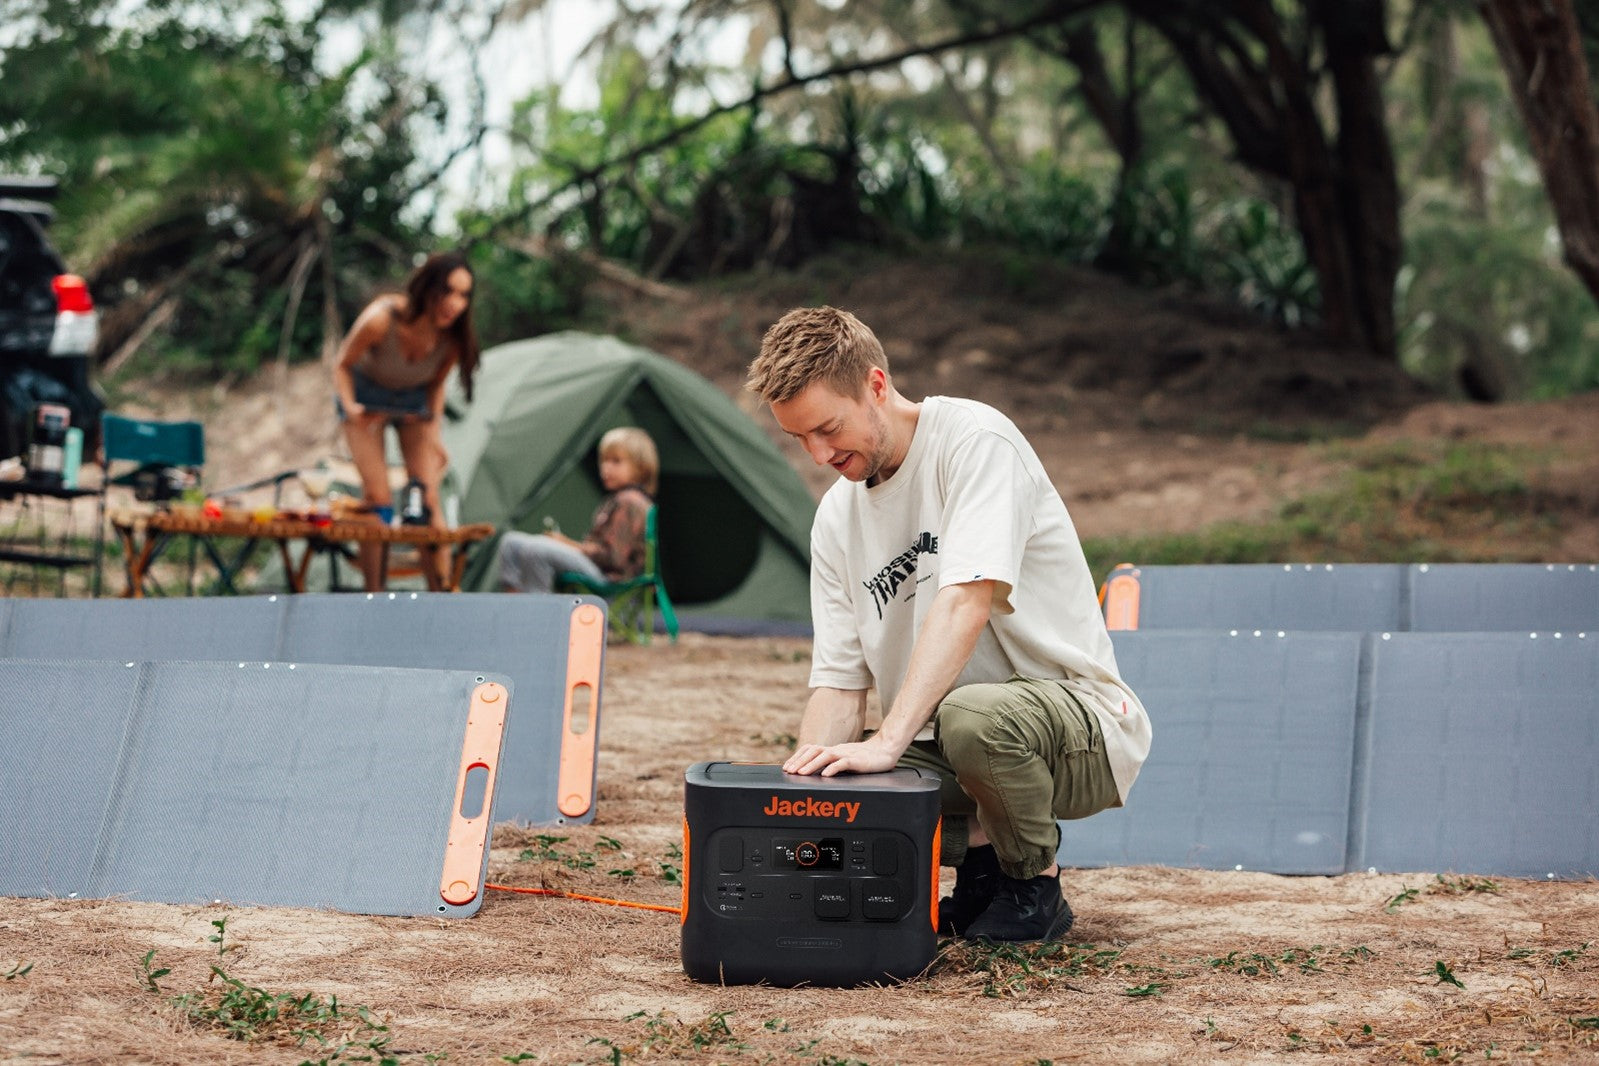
1017 756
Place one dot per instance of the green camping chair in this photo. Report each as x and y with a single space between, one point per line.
166 455
632 612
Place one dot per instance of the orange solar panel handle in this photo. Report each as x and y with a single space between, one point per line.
1121 600
585 651
469 818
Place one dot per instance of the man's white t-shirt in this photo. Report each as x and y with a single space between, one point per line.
971 502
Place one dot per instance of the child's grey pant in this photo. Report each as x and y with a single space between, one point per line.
530 562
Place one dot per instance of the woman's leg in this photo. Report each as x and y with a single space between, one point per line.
364 435
426 460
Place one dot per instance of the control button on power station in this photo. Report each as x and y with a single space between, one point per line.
881 900
832 898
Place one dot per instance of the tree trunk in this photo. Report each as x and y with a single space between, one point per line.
1541 51
1345 190
1368 186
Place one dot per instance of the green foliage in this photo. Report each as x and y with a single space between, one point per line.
1569 955
210 170
1491 300
1050 210
149 974
517 295
1463 885
1484 305
218 938
1405 895
702 204
1262 261
544 849
237 1010
666 1035
221 169
1007 970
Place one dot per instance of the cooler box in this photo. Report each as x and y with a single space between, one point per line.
796 880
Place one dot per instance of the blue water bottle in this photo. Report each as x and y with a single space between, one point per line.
72 457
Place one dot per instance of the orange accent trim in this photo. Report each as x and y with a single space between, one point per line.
585 651
1121 599
938 847
585 899
469 836
682 914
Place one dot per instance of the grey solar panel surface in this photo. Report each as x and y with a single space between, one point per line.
255 783
64 734
1251 760
243 627
1272 596
1482 597
525 637
1483 755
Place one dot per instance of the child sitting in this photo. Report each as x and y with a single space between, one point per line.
613 550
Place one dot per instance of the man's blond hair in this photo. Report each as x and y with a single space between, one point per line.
810 345
636 446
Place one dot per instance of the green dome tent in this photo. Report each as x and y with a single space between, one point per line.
734 517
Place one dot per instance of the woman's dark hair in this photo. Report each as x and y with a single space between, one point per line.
425 287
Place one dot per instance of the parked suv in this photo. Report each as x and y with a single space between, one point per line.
48 325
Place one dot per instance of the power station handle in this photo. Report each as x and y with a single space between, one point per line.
461 879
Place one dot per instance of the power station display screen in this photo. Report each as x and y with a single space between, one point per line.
826 853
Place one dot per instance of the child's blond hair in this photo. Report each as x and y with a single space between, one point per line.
634 445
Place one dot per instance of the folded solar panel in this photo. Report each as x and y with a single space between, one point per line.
1264 596
1483 597
551 647
358 789
1251 760
1482 755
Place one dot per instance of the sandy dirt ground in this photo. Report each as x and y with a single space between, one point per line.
1164 965
1146 429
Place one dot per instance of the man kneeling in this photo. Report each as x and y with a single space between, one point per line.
946 572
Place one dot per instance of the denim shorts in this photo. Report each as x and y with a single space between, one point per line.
394 402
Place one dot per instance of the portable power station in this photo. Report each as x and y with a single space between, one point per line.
793 880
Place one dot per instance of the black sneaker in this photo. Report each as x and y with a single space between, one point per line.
1024 911
976 881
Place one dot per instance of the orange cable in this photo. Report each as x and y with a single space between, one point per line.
586 899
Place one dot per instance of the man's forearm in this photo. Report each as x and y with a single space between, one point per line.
833 716
942 649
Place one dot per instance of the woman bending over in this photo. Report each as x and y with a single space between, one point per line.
390 372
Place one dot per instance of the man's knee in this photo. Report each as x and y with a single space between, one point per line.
967 721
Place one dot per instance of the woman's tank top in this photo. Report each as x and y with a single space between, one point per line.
385 363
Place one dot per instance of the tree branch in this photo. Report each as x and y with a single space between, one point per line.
1054 12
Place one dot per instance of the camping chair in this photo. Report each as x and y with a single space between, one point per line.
168 457
632 601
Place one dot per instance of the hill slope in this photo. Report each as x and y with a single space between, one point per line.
1155 412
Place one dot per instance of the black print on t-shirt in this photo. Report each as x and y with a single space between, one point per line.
898 571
